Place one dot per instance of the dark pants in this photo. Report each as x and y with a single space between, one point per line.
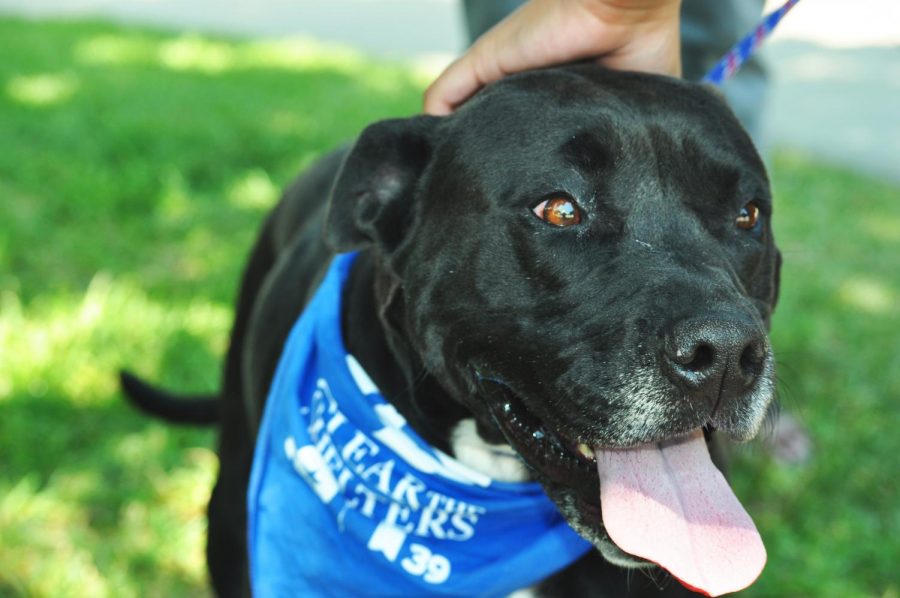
708 29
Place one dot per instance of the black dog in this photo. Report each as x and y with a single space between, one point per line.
574 261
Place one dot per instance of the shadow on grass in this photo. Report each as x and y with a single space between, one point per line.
88 491
135 169
160 147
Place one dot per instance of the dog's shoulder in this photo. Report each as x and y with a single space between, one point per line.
302 207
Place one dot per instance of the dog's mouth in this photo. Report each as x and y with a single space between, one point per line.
662 502
554 457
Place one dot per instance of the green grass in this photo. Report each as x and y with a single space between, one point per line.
134 169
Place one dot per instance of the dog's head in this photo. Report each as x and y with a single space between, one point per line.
582 258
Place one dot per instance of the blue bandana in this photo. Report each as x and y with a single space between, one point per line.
346 499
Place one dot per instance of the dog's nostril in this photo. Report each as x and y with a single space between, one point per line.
713 355
752 359
698 360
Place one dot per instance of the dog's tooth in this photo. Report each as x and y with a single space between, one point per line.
585 451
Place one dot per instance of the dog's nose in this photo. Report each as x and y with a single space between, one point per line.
713 355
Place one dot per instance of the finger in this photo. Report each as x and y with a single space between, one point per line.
480 65
436 100
453 87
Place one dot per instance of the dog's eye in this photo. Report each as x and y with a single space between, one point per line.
748 217
558 211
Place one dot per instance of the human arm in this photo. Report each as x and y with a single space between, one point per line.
639 35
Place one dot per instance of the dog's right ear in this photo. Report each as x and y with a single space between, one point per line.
371 201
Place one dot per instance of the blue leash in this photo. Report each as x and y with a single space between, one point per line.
741 51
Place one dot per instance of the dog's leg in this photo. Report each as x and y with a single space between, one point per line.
226 546
226 551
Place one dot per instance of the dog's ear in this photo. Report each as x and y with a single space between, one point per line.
371 201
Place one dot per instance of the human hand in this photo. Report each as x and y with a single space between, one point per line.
639 35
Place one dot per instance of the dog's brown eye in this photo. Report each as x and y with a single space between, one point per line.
558 211
748 217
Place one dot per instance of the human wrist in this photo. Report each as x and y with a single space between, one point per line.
631 12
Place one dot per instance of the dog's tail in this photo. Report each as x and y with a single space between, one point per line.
196 410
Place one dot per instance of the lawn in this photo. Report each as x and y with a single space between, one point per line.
134 168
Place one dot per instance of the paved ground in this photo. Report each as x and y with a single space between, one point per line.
835 64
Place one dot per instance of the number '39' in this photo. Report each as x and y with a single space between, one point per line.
433 568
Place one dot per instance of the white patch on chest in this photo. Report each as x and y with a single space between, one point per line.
499 461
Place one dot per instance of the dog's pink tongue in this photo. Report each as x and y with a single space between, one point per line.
670 505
